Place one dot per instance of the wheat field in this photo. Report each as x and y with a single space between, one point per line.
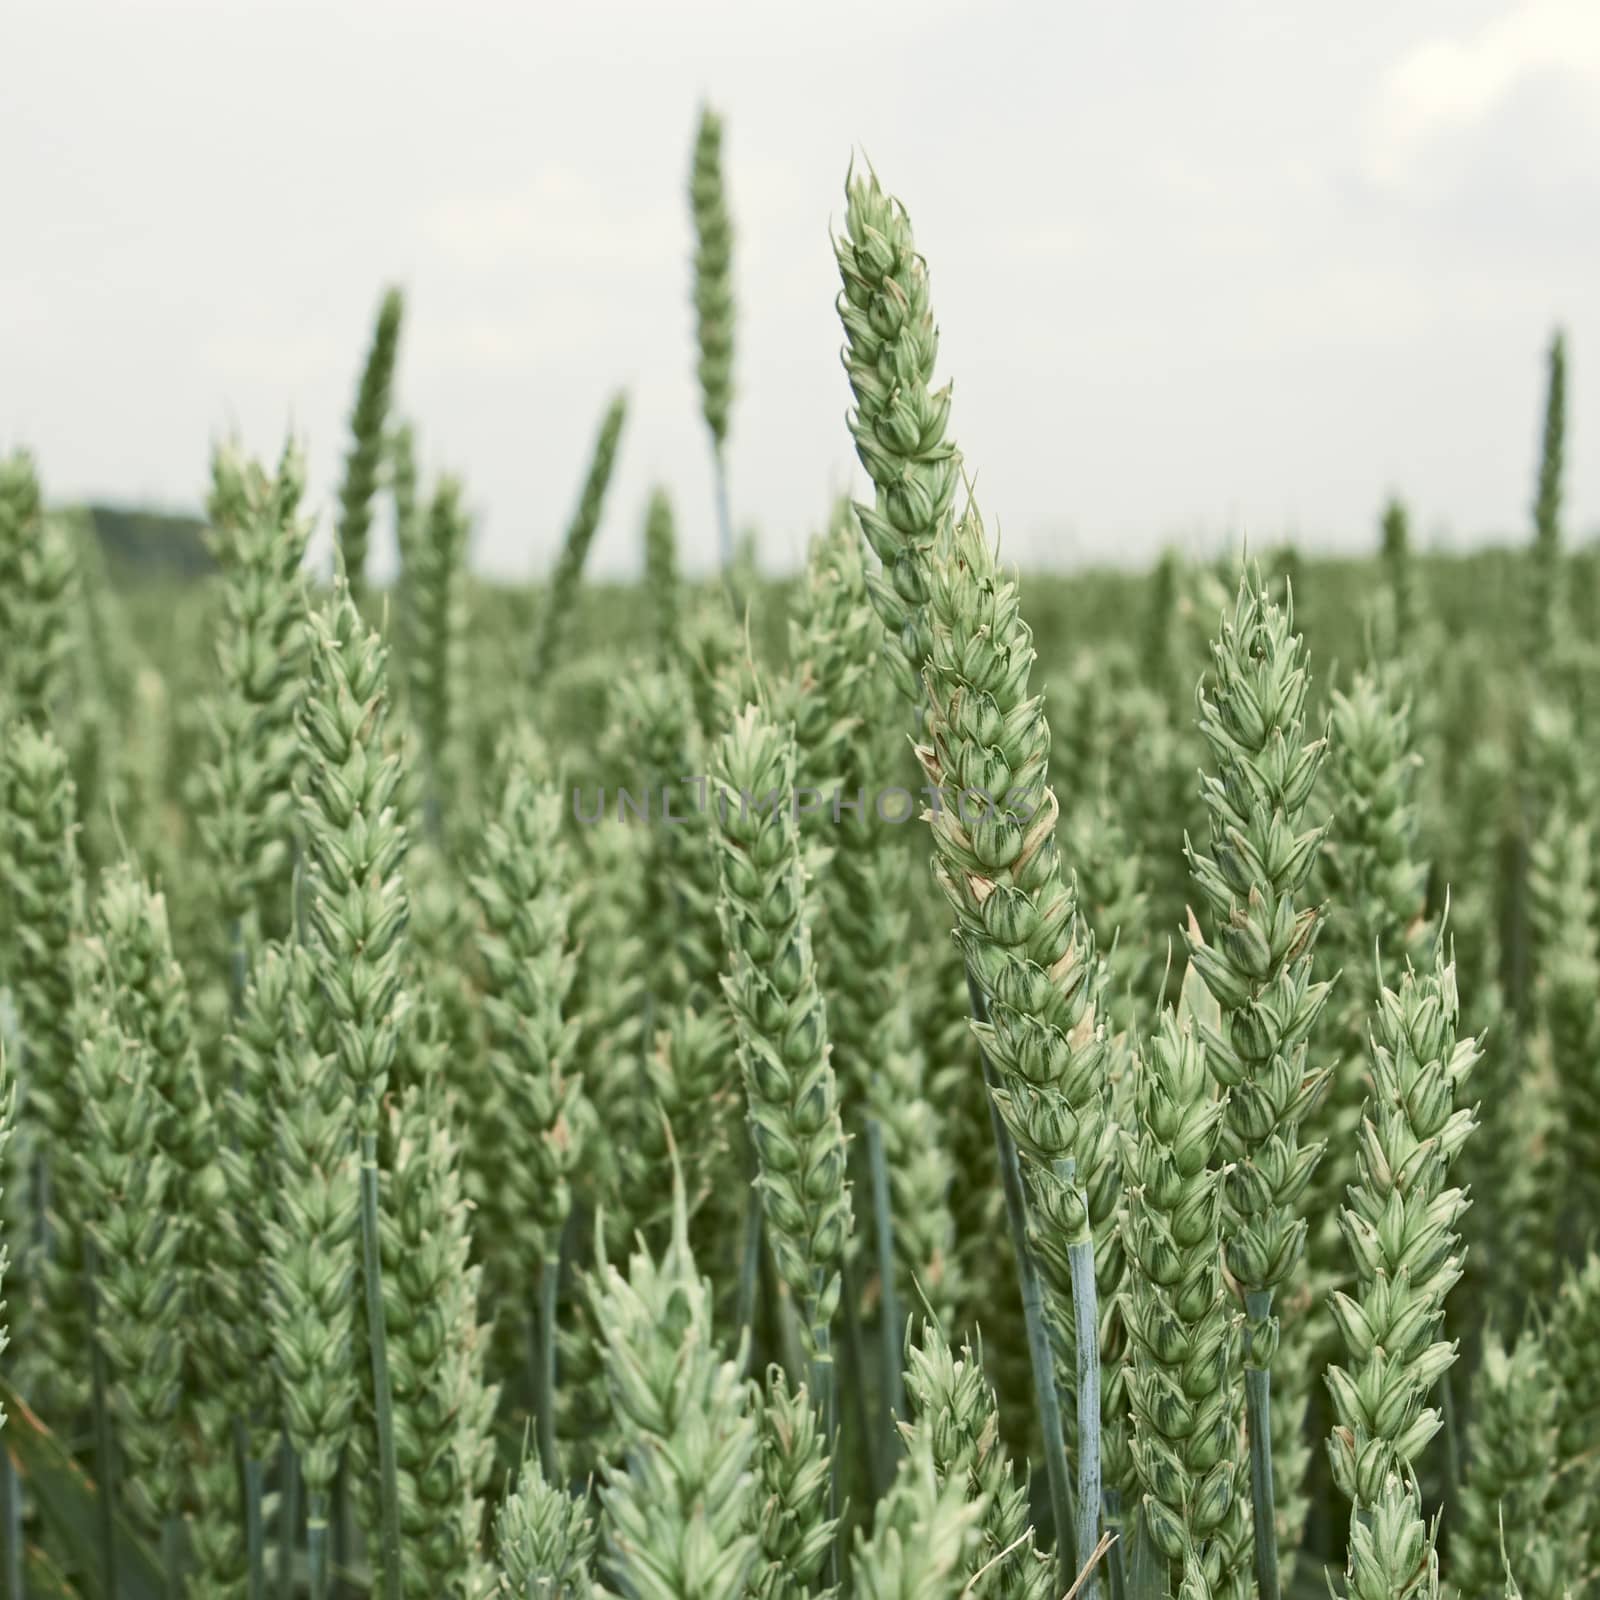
910 1081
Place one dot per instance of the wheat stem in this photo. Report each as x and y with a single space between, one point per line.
11 1525
724 522
377 1346
1258 1423
1040 1356
105 1468
288 1519
889 1318
856 1344
1086 1329
749 1269
544 1368
250 1477
317 1545
172 1557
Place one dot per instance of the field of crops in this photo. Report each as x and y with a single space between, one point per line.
498 1101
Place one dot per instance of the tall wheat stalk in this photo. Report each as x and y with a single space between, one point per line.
1258 968
714 307
357 906
364 459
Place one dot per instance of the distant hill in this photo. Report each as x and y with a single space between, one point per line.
150 546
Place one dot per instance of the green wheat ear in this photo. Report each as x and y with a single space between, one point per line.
713 304
954 1415
663 588
42 878
556 617
900 421
1396 554
778 1011
7 1106
433 625
1252 878
921 1536
246 819
1546 600
792 1523
678 1516
544 1539
364 460
38 578
1507 1517
1183 1332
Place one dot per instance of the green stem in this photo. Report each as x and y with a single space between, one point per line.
749 1272
317 1544
1258 1423
855 1344
1086 1329
1040 1356
824 1396
172 1556
544 1369
105 1466
288 1521
382 1397
1452 1441
894 1399
255 1537
238 965
724 518
343 1519
11 1525
1115 1562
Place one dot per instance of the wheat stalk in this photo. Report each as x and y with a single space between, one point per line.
434 622
38 578
544 1539
364 459
921 1537
568 570
307 1162
662 585
677 1517
1258 967
792 1473
1183 1335
1504 1522
44 893
246 819
772 988
899 421
713 305
1547 613
1028 956
954 1415
533 1135
1399 1225
356 921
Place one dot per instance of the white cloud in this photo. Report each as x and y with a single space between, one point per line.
1448 85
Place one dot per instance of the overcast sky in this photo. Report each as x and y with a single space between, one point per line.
1199 269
